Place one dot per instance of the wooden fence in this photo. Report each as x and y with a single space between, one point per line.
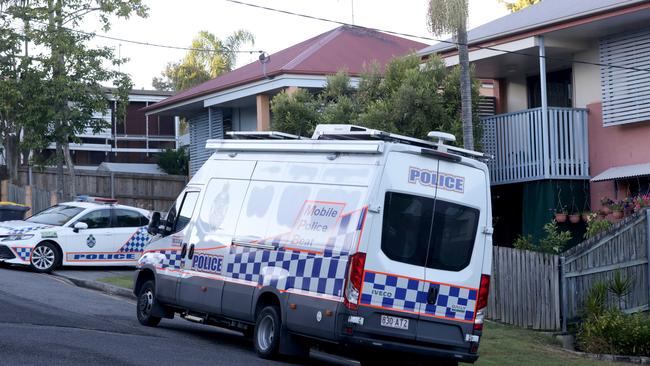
524 289
152 192
623 249
545 291
37 199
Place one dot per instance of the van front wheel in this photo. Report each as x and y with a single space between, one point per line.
146 302
266 337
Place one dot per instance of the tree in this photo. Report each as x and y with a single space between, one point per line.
174 161
199 65
450 16
409 99
66 73
516 5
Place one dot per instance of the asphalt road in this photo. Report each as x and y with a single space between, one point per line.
45 320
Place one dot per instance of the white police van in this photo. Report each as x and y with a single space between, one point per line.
355 238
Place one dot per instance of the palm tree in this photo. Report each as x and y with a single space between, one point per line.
450 16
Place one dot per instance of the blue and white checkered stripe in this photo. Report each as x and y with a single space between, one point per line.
24 253
171 260
27 229
137 241
348 233
286 269
406 294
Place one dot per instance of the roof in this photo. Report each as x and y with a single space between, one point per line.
130 168
623 172
544 13
345 47
147 92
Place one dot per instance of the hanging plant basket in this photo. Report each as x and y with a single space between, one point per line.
574 219
560 217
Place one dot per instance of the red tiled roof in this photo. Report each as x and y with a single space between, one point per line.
345 47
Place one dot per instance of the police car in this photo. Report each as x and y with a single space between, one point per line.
87 232
376 243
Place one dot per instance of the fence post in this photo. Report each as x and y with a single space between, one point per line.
4 191
112 185
28 200
54 199
563 296
647 252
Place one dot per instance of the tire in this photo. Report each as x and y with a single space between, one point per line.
44 258
146 302
266 337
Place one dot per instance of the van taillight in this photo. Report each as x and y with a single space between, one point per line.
354 280
482 301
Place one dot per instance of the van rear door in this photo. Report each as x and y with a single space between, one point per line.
454 259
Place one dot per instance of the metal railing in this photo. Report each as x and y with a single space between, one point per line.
524 149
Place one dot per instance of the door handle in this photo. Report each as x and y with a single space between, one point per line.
183 250
190 254
432 296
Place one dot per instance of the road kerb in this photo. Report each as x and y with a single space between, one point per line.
100 286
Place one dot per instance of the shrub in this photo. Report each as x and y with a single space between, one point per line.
524 242
615 332
595 301
554 242
596 226
174 161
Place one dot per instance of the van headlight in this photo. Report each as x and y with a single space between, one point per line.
15 237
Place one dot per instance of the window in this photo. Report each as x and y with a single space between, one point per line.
424 232
129 218
56 215
186 210
98 219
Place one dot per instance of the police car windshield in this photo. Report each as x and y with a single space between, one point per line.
55 215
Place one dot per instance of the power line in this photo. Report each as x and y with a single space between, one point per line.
438 40
143 43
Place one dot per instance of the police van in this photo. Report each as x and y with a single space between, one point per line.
356 238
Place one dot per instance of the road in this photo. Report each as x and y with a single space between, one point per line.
44 320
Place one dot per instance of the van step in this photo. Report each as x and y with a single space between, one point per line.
193 318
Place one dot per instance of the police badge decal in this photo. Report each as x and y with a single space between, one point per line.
90 241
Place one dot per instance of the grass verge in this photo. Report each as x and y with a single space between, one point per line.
505 345
125 281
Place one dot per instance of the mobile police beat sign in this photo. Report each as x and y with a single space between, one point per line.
435 179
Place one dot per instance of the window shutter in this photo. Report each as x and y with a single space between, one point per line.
625 92
204 126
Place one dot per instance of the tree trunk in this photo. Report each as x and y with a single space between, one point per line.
60 178
12 156
73 176
465 88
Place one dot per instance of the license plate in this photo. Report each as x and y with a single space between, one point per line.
394 322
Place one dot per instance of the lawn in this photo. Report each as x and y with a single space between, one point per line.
125 281
505 345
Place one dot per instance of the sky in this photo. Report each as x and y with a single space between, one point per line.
175 23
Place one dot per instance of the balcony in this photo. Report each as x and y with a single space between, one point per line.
526 149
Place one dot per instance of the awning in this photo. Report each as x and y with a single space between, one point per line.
623 172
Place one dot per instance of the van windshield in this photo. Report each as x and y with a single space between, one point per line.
425 232
55 215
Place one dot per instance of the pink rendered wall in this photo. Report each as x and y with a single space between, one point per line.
614 146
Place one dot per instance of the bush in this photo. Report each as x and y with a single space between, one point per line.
596 226
174 161
554 242
615 332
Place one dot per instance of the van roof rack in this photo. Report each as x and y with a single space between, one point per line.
352 132
262 135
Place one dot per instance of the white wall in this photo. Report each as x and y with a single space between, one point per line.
586 78
244 119
516 94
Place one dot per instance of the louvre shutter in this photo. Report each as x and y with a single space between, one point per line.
204 126
625 92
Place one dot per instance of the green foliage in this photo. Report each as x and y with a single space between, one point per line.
174 161
595 301
198 65
614 332
596 226
620 286
516 5
446 16
409 98
554 242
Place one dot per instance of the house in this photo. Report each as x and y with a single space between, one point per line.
135 139
240 99
571 92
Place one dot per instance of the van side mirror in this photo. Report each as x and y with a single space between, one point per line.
79 226
154 223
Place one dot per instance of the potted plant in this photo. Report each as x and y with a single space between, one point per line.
606 205
574 218
586 216
561 214
617 209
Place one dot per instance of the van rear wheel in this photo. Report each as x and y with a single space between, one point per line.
146 302
266 337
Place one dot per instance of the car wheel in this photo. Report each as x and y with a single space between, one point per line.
146 302
45 258
267 332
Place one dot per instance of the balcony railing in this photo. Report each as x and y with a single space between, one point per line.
524 149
